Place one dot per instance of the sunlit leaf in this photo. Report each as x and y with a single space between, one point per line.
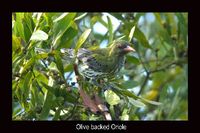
60 17
137 103
16 44
81 16
41 56
39 36
125 115
110 29
67 38
82 39
61 24
28 64
131 34
111 97
52 66
19 30
68 68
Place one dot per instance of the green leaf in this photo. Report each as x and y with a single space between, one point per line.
19 30
122 38
28 64
125 115
137 103
39 35
82 39
69 98
27 32
26 90
61 24
16 44
182 27
47 106
163 34
110 29
57 114
131 34
111 97
133 60
141 38
29 21
59 64
59 18
150 102
129 94
129 84
53 66
28 26
27 83
19 16
158 18
68 68
99 19
118 16
132 95
81 16
49 88
41 56
40 76
67 38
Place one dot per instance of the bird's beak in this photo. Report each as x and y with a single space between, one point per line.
129 49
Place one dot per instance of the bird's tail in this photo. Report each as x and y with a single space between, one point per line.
67 53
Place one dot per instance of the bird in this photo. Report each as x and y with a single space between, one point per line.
99 63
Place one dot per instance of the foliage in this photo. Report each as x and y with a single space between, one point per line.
42 86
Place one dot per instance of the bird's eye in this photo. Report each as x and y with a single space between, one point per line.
122 46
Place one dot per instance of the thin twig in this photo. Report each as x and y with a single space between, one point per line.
163 68
144 83
147 77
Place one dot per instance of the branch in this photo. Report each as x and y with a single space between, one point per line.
96 105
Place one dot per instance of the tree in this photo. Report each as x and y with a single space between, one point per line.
152 86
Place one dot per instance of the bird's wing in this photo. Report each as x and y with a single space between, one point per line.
83 54
94 59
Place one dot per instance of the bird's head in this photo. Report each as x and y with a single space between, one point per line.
121 47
